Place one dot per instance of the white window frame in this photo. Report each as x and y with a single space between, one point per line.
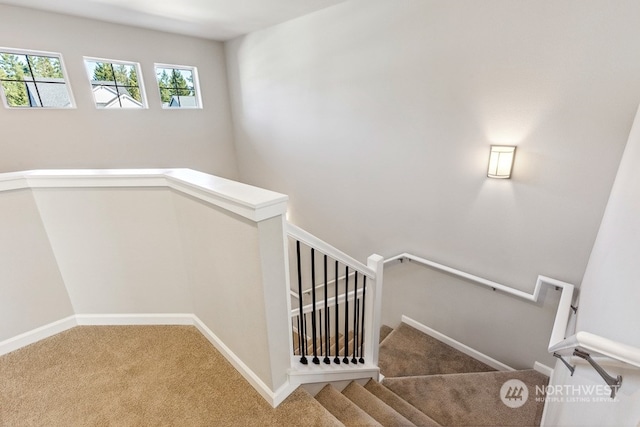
65 76
143 93
196 85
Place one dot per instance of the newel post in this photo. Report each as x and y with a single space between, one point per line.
372 316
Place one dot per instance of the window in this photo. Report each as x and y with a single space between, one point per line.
178 86
115 84
33 79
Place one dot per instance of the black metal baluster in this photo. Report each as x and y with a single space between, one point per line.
355 319
357 336
364 296
328 355
346 315
335 296
306 338
315 359
327 333
320 335
301 332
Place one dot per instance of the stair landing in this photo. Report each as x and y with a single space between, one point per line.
408 352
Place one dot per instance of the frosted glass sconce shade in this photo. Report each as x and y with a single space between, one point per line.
501 161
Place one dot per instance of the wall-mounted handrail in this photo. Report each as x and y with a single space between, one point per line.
542 280
613 383
558 344
561 321
596 344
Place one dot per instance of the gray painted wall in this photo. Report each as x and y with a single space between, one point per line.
609 304
33 289
89 138
376 117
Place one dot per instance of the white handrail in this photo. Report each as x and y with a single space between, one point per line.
320 245
542 280
557 343
564 305
596 344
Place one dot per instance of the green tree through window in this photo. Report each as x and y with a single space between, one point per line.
115 84
177 87
33 81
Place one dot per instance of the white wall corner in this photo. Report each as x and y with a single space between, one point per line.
273 398
543 369
38 334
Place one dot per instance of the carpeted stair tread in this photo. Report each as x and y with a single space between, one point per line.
471 399
409 352
349 349
380 411
332 349
384 332
407 410
344 409
320 344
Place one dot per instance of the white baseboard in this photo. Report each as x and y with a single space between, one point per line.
457 345
543 369
135 319
46 331
274 398
543 419
35 335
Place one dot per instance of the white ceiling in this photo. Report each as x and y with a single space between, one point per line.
212 19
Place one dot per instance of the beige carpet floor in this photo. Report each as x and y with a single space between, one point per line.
137 376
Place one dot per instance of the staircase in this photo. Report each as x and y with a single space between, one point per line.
428 383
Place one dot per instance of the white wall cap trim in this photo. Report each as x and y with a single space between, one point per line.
251 202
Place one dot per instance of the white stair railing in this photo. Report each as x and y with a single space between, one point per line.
336 306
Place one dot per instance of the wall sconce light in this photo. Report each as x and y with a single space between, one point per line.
501 161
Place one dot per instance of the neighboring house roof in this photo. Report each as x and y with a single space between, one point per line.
125 102
109 84
183 101
107 97
53 94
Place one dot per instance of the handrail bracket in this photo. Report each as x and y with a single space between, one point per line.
571 368
613 383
